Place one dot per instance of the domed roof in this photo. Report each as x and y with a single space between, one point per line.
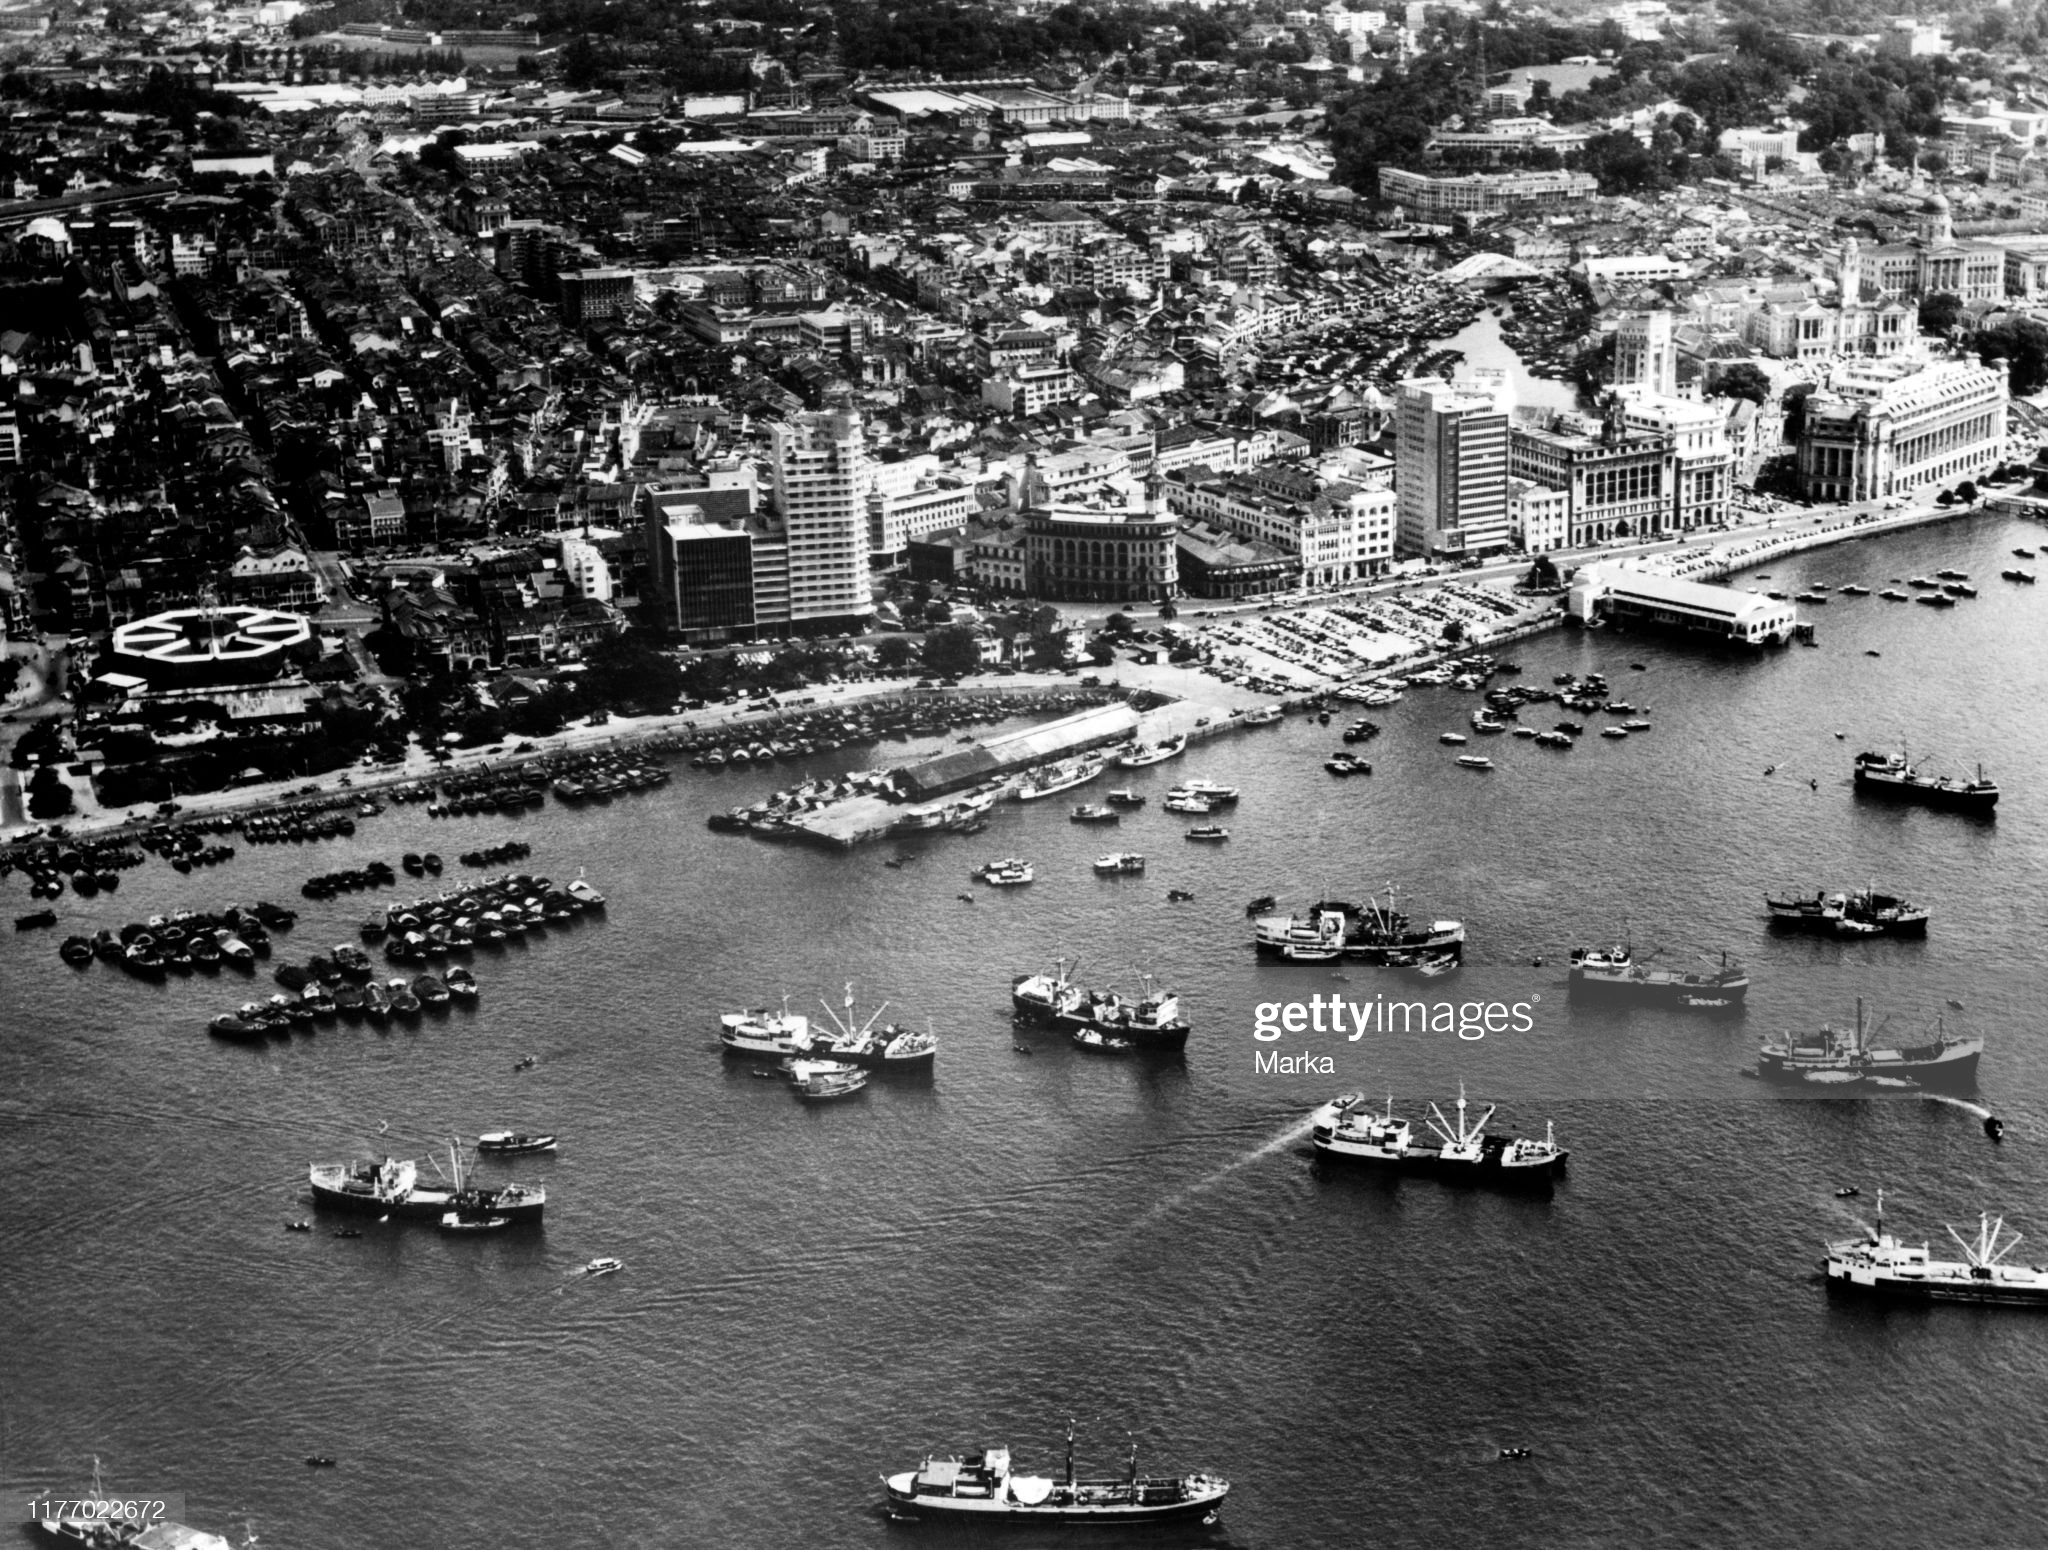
49 228
1937 204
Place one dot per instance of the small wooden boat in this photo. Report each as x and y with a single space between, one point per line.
1473 761
508 1143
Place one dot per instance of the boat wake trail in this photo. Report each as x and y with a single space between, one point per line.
1288 1137
1964 1104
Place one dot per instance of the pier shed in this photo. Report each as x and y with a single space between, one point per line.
1666 602
1016 751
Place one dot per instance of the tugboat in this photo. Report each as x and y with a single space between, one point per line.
1094 812
1617 972
982 1489
891 1048
1862 912
1370 933
760 1034
1894 775
1123 796
1835 1056
1883 1265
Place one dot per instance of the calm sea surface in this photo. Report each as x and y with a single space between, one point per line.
812 1297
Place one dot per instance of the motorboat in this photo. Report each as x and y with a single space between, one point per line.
508 1143
1094 812
1473 761
1121 863
1208 831
604 1265
1139 755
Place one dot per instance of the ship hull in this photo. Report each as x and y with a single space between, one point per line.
1660 990
1957 1071
426 1203
1954 799
919 1064
1281 938
1488 1168
986 1512
1167 1036
1805 915
1858 1282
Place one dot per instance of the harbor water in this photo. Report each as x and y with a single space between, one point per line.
813 1296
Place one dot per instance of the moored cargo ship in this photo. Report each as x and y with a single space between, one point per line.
1369 933
1842 1056
1617 973
393 1187
1346 1128
1895 775
1852 912
1883 1265
983 1489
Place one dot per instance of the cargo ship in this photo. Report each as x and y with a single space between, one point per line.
1881 1264
1151 1021
394 1188
984 1490
890 1047
1831 1056
1346 1128
1894 775
1368 933
1856 912
1617 973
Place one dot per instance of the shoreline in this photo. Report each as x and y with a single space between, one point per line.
622 734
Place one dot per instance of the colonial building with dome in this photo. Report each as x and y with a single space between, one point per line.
1931 263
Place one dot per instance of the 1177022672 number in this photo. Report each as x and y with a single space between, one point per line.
140 1511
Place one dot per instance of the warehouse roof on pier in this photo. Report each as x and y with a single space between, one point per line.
1017 751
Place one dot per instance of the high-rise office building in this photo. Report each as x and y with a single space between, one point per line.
1451 465
1644 356
820 481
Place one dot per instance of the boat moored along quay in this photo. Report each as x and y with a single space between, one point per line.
983 1490
1885 1266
